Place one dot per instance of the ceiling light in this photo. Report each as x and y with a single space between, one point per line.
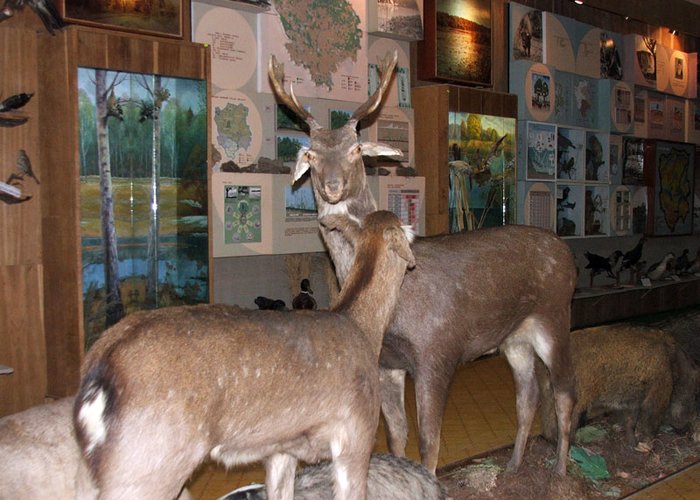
578 2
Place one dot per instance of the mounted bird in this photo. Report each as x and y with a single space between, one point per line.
15 101
632 257
659 269
599 264
45 9
304 300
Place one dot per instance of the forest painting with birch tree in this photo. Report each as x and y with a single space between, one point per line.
143 194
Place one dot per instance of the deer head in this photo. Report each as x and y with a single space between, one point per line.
334 157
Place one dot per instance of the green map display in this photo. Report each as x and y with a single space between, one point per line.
242 220
322 34
233 129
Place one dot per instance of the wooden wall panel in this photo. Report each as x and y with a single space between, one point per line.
22 346
60 216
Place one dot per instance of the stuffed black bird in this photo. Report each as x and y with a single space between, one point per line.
15 102
272 304
629 259
598 264
45 9
304 300
683 262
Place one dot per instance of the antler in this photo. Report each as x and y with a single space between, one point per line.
375 99
275 72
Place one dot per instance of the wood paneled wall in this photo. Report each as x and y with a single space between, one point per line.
41 326
21 268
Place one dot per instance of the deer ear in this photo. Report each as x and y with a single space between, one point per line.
398 241
379 149
302 164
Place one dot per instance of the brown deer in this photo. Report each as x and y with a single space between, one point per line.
508 287
164 389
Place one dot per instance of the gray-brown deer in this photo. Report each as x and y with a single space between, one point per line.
164 389
508 287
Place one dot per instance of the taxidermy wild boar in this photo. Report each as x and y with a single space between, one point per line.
637 371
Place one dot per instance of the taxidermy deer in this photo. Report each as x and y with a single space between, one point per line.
508 287
164 389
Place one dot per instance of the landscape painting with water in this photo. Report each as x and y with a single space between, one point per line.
143 194
463 40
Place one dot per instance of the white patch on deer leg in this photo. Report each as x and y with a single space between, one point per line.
91 418
341 471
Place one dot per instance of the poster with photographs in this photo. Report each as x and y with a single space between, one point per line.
242 215
597 157
541 151
596 211
611 55
633 160
571 153
570 208
526 33
622 107
395 18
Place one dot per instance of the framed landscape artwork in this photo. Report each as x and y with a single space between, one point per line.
457 42
155 17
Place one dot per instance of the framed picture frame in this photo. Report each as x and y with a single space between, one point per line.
669 169
541 151
457 42
162 18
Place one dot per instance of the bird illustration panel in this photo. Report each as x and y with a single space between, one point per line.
541 151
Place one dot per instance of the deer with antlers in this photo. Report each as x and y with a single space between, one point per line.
470 293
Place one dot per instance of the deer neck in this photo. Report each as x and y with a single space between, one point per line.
370 294
357 207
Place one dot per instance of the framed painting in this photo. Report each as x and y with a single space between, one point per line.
669 169
457 42
162 17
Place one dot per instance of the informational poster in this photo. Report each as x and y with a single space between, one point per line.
242 214
233 43
263 214
381 50
405 196
293 33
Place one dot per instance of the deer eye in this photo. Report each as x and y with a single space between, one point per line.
355 151
310 157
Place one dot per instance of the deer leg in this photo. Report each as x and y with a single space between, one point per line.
351 449
279 476
521 358
393 384
431 396
553 350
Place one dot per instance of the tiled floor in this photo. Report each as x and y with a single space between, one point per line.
480 416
